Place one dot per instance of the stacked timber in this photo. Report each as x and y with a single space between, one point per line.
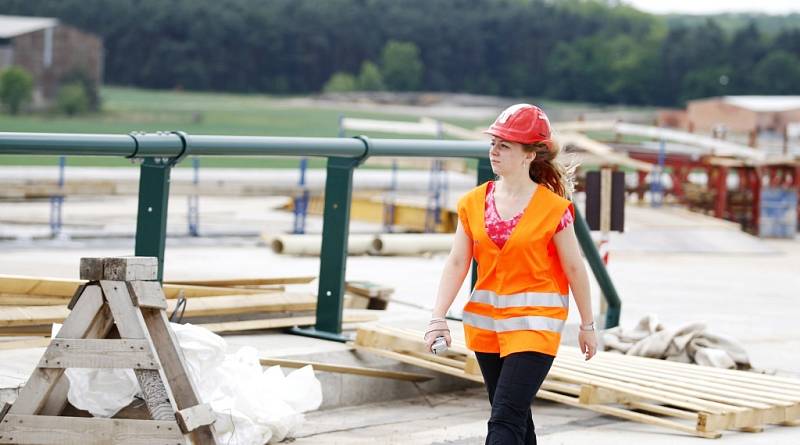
30 305
697 400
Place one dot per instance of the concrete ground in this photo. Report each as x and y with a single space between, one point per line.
680 266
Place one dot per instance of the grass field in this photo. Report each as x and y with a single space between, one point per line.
127 109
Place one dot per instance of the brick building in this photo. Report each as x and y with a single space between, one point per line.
49 51
752 117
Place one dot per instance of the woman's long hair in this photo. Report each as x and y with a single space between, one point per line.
547 169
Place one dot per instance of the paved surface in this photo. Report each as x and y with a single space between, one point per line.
459 418
682 267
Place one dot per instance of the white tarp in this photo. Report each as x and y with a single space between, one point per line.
253 406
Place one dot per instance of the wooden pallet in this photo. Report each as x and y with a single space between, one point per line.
693 399
117 321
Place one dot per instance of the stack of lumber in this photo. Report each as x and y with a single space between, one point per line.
693 399
29 305
368 295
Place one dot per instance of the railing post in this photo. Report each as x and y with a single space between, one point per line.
333 256
151 222
599 270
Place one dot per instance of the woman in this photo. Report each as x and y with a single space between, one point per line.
519 230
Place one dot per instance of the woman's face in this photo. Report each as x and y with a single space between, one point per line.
508 158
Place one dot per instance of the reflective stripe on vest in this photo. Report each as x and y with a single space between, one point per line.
513 324
542 299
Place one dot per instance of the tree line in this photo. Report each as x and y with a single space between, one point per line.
577 50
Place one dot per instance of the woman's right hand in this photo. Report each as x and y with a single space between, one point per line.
436 328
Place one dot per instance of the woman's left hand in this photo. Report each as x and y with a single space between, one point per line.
587 341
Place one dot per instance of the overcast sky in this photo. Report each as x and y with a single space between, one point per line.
716 6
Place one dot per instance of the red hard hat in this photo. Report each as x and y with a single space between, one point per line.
523 123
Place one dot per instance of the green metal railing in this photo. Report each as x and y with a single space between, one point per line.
162 150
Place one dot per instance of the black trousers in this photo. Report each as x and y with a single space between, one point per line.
512 382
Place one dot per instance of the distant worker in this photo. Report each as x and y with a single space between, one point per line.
519 230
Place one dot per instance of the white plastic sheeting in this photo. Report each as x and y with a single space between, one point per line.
253 406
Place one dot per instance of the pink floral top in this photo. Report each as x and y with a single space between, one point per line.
499 230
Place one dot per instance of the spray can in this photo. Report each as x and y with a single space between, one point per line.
439 345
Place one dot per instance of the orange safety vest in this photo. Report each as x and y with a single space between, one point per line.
521 298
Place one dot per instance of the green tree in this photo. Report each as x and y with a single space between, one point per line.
778 73
16 88
401 66
73 99
340 83
706 82
370 78
90 87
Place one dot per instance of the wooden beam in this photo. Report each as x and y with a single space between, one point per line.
180 383
100 327
97 353
4 410
190 419
444 369
246 281
55 430
241 304
147 294
32 300
25 344
342 369
132 268
21 316
17 285
286 322
625 414
131 326
37 390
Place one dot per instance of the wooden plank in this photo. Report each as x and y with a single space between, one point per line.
98 354
32 315
99 328
36 391
246 281
691 368
40 342
131 268
147 294
16 284
180 383
369 289
740 417
31 300
26 331
92 269
76 295
65 288
783 405
243 304
130 325
453 363
711 382
342 369
190 419
684 387
272 323
88 431
625 414
196 307
173 366
593 395
444 369
4 410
